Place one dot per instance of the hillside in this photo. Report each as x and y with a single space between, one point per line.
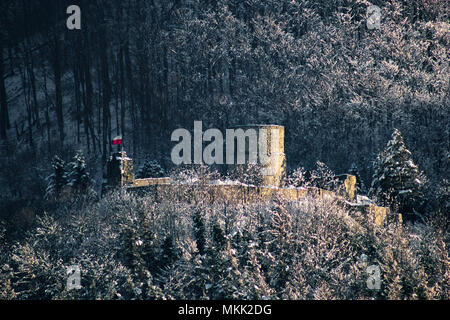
357 87
130 248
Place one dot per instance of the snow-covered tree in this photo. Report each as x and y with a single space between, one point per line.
323 177
79 178
201 174
297 178
150 169
169 252
199 231
248 173
443 199
57 180
397 181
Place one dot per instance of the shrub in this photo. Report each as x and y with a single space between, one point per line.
150 169
129 247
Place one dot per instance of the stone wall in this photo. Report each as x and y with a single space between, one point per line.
242 194
348 187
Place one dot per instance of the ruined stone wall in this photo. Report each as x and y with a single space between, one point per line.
161 188
242 194
348 187
150 181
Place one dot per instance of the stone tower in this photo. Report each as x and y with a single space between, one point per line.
119 170
269 150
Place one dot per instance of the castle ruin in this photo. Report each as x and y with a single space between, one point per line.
120 174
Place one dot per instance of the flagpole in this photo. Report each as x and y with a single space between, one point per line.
118 140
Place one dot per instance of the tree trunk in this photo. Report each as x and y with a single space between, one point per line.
106 86
4 116
58 90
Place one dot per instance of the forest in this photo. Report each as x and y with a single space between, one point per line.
373 102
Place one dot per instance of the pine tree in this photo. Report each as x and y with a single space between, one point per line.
169 252
224 271
79 178
323 177
199 231
218 236
57 180
397 181
150 169
443 204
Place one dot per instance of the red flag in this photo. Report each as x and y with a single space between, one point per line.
117 140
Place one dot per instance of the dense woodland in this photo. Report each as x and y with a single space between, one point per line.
145 68
352 99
